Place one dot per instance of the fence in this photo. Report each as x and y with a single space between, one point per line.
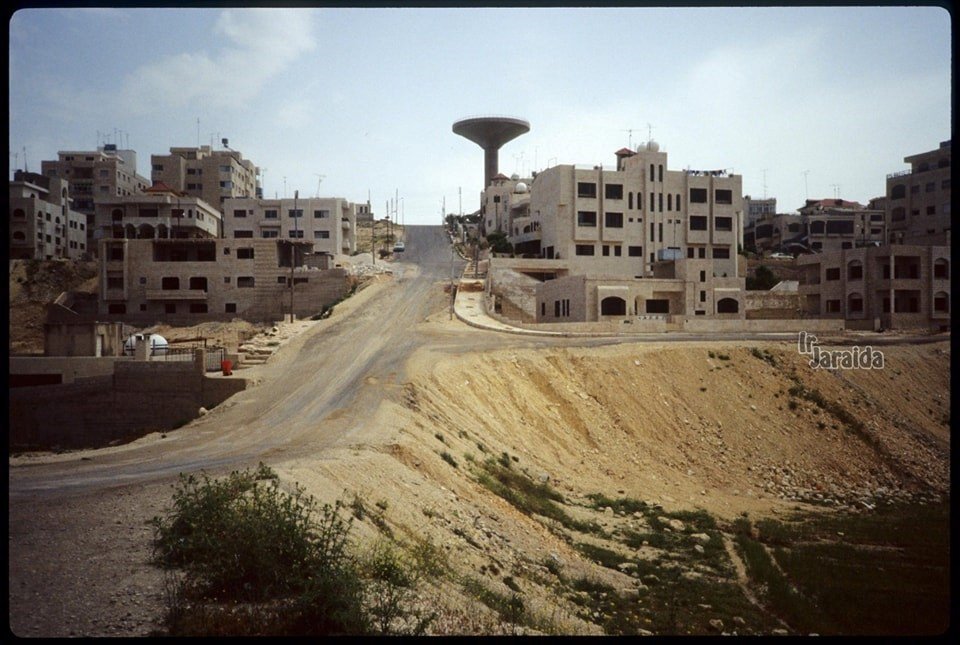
213 357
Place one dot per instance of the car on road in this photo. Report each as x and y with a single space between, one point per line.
398 247
781 256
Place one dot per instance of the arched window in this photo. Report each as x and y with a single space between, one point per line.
727 306
613 306
855 270
19 236
941 302
19 213
941 269
899 191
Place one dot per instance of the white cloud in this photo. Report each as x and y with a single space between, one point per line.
255 46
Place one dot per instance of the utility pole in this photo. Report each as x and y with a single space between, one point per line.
296 229
453 253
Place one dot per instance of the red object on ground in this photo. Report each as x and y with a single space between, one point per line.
226 366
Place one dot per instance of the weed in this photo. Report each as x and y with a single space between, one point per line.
447 457
439 437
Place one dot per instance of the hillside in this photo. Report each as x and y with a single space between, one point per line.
34 284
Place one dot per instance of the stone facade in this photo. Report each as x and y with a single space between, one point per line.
212 175
329 224
43 223
822 226
918 200
859 286
158 213
186 281
105 173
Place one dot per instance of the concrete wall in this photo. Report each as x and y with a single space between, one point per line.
69 368
141 397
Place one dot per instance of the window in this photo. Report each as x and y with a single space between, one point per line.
241 234
556 308
117 308
723 196
855 303
191 171
652 176
298 212
115 282
941 269
703 276
586 189
721 253
658 306
148 212
915 189
832 273
630 201
660 231
941 302
698 223
855 270
669 202
321 235
158 166
639 201
198 307
614 220
698 196
245 282
660 203
282 280
245 253
723 223
239 213
690 252
226 184
613 191
617 250
677 203
321 214
225 168
585 249
703 296
606 250
653 232
586 218
832 306
930 187
295 233
635 251
230 308
931 210
273 233
226 279
270 213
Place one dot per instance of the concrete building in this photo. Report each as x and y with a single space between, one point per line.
159 212
326 224
43 222
186 281
822 225
754 209
621 222
104 173
212 175
918 199
892 286
506 200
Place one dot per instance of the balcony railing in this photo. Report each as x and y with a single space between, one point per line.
176 294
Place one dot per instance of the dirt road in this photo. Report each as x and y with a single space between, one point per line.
332 409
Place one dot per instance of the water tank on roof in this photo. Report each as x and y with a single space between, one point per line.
514 177
520 188
653 146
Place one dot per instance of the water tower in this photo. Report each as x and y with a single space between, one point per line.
490 133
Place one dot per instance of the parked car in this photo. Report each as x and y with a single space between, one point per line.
781 256
398 247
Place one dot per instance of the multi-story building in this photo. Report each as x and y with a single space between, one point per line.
822 225
503 202
43 223
918 200
328 224
622 222
185 281
159 212
212 175
105 173
890 286
754 209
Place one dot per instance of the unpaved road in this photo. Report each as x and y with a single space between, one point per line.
78 538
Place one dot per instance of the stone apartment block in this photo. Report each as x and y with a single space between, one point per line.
43 223
212 175
159 212
891 286
620 223
822 225
918 199
186 281
754 209
503 204
326 225
104 173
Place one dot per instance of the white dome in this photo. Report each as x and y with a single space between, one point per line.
520 188
653 146
157 343
514 177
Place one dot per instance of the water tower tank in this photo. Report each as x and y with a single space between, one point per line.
490 133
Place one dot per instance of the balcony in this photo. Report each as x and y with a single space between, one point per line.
345 224
176 294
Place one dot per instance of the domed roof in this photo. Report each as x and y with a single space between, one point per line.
520 187
514 177
155 342
653 146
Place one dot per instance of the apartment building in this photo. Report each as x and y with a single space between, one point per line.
503 202
326 224
43 222
187 281
104 173
622 222
891 286
754 209
159 212
212 175
918 199
822 225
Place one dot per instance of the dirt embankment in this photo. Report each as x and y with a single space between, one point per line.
34 284
712 427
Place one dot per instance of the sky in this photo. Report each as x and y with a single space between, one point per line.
816 102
